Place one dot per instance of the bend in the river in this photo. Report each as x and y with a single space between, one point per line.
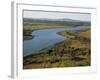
43 39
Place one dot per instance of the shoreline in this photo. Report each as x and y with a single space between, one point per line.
63 50
27 33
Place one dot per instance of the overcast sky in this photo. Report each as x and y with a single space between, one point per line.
56 15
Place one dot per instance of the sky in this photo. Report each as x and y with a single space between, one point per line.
56 15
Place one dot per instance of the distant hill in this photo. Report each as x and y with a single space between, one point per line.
57 21
43 19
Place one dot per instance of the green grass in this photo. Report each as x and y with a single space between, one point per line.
36 25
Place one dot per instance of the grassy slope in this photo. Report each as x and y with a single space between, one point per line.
45 25
75 51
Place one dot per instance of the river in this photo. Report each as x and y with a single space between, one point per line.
43 39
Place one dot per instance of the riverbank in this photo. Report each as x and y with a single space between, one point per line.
29 27
74 51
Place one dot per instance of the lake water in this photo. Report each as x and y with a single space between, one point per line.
43 39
